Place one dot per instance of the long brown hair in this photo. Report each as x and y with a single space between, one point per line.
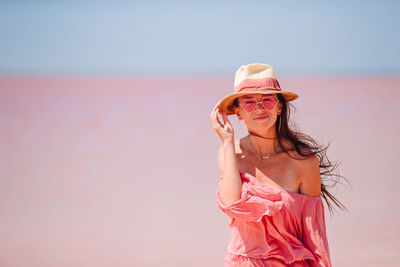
306 146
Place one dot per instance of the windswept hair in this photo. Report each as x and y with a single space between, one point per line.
306 146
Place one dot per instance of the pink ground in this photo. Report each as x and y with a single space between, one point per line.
123 171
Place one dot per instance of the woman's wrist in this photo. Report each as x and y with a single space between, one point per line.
228 143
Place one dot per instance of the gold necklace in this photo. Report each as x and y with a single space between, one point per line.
265 156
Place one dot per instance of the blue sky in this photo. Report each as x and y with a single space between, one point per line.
198 38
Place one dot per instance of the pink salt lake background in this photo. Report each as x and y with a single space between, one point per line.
123 171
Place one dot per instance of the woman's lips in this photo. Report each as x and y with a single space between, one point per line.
261 118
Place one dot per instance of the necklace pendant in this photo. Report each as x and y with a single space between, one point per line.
265 157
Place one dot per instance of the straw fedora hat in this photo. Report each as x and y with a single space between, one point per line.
256 78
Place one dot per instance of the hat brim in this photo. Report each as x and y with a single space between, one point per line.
225 105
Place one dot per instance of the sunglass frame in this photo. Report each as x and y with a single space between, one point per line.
277 101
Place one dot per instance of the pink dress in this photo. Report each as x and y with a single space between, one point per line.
274 227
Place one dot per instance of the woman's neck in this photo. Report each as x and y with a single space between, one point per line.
263 144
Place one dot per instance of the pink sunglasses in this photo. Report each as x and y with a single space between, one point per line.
249 103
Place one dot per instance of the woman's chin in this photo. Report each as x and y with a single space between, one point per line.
261 126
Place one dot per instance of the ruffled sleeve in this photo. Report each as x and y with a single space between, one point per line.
251 206
314 232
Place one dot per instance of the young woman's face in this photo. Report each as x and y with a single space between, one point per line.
262 115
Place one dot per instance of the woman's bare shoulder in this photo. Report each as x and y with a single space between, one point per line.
238 148
240 144
291 149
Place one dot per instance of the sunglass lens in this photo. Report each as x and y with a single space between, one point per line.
269 102
249 104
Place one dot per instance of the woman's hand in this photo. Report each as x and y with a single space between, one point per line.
225 132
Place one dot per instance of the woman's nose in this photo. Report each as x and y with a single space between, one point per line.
262 106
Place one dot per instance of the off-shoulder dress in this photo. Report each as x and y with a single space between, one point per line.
275 227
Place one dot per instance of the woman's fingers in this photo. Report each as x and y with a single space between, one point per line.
224 131
214 110
214 117
225 117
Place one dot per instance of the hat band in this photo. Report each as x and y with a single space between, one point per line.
257 84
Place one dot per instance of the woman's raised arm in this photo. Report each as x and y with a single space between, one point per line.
231 184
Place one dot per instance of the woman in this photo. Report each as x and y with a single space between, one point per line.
270 184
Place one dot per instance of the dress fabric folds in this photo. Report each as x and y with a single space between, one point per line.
274 227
